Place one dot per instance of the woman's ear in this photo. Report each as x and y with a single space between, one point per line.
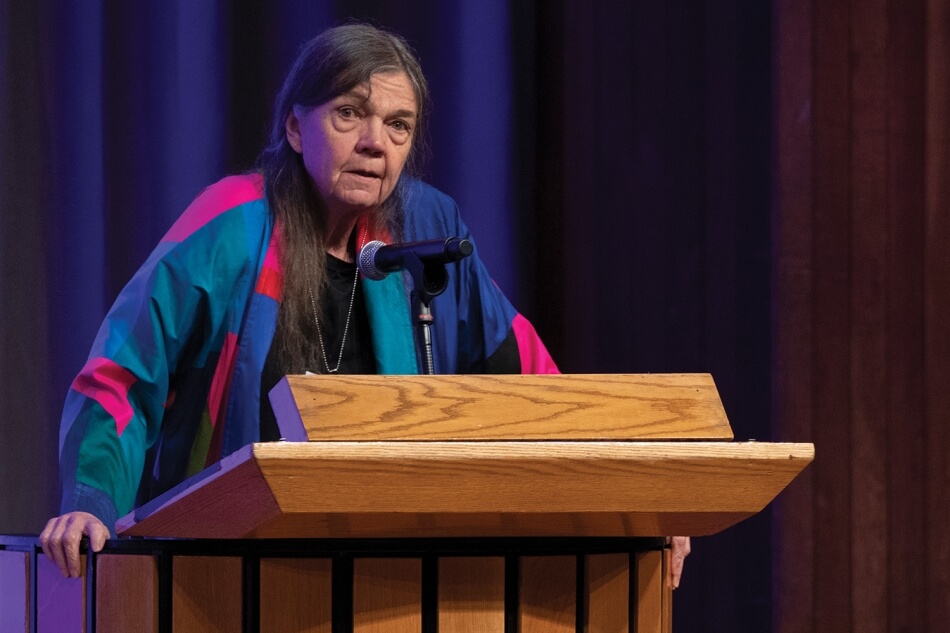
292 128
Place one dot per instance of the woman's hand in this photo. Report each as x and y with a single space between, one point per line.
60 539
679 547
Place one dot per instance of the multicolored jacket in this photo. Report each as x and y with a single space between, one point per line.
173 382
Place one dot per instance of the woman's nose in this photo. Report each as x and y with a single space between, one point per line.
371 139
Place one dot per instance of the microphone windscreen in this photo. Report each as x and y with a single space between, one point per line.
366 261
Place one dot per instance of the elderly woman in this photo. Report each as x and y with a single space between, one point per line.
257 280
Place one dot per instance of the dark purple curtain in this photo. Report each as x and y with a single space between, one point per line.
612 159
653 228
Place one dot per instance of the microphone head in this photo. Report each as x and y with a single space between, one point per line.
458 248
366 261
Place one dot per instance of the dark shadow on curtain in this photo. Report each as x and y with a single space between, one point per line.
653 228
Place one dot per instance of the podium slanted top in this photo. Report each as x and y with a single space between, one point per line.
443 456
500 407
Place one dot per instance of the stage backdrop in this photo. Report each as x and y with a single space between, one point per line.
615 161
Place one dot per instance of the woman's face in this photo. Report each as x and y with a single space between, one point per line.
355 146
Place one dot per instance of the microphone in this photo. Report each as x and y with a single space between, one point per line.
376 259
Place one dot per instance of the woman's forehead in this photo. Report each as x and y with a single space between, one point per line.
390 88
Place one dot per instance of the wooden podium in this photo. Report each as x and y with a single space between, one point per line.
444 503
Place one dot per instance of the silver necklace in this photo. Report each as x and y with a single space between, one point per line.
346 326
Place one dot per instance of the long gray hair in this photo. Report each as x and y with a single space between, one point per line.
333 63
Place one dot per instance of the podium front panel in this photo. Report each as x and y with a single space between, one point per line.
326 585
207 594
548 596
127 580
471 594
295 595
607 584
14 591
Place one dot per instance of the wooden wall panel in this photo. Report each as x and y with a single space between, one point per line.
906 36
936 308
832 327
862 297
868 306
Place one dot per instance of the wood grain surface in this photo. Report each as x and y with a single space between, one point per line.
121 582
206 593
234 499
506 407
471 594
651 610
387 595
479 488
548 594
607 593
296 595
